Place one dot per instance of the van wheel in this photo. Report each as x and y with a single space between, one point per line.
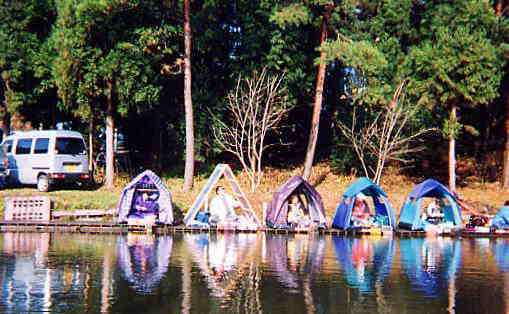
43 183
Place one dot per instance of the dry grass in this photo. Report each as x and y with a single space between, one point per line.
330 186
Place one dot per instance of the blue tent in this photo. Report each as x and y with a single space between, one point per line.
430 266
501 219
383 210
410 216
379 265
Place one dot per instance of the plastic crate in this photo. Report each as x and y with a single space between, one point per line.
34 208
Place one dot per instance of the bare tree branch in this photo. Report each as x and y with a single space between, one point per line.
256 107
384 138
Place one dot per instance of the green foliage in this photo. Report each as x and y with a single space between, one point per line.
65 52
21 33
109 41
451 128
293 14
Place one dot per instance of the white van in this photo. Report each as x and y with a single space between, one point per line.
46 158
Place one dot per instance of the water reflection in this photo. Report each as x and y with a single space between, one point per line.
143 259
431 263
228 263
290 256
501 252
24 287
365 261
500 249
250 273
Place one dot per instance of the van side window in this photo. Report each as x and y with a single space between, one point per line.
41 146
23 146
70 146
7 147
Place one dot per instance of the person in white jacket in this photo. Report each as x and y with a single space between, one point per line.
222 207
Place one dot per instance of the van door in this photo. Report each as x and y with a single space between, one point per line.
40 159
70 155
23 161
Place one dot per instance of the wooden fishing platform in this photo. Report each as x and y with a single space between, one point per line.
115 228
473 234
410 233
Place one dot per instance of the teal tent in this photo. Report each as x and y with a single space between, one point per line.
384 212
410 216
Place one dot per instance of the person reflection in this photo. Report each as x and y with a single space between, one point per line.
365 261
430 263
361 253
144 259
291 258
223 259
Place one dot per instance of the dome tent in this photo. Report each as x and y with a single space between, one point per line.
410 216
146 182
383 209
277 212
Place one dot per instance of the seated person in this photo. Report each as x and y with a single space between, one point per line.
222 207
434 212
296 216
360 211
501 219
145 205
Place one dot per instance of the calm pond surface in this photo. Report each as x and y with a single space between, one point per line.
251 273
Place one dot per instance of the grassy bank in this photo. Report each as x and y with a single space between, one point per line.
328 184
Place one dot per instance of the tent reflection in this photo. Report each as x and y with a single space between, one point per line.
365 261
144 259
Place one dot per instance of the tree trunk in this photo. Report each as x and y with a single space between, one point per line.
502 8
6 118
452 151
6 122
155 145
505 174
91 143
499 7
110 128
315 121
188 103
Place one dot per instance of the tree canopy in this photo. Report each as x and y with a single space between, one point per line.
66 60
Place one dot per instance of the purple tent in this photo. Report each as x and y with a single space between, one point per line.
146 182
277 212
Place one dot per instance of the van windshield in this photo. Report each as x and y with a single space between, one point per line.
70 146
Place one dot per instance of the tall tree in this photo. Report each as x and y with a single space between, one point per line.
298 13
188 102
456 66
317 109
101 63
24 26
502 12
448 52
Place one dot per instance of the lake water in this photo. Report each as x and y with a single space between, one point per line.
251 273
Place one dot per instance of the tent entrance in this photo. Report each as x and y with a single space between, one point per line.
221 170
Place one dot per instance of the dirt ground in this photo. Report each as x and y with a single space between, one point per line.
479 198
